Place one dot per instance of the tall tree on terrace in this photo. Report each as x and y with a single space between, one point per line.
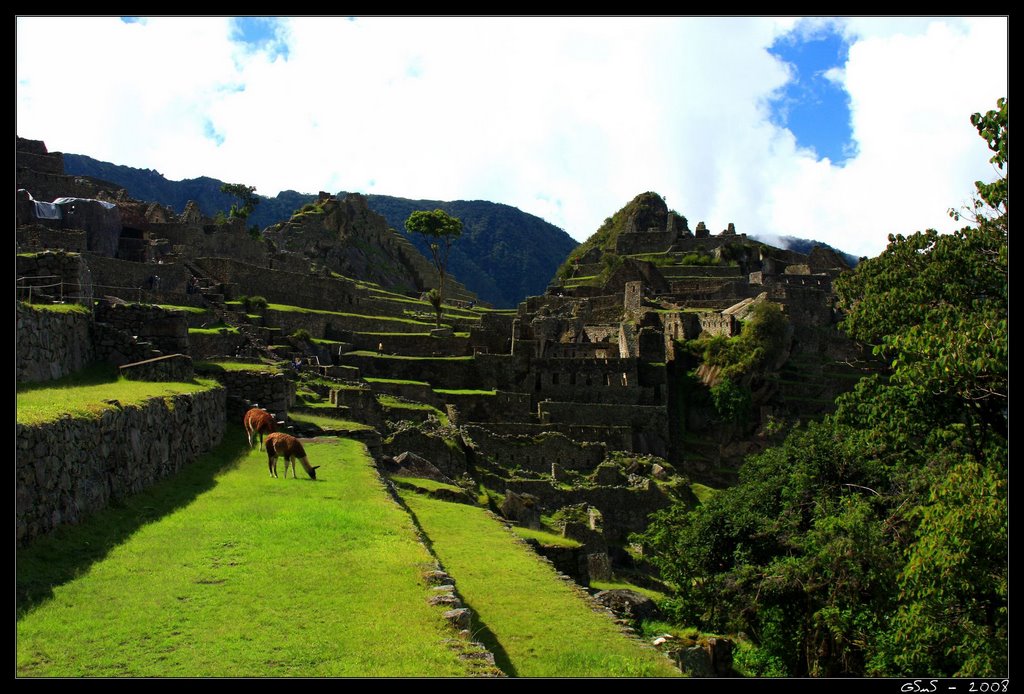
246 197
440 230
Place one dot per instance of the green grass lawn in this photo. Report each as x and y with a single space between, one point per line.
56 308
214 330
463 391
219 366
299 309
536 625
545 537
82 394
399 381
187 309
703 492
225 571
326 422
625 585
368 353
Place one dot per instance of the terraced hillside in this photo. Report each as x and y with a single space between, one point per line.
225 571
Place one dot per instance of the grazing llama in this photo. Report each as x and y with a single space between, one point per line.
279 444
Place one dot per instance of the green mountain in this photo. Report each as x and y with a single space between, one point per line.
503 255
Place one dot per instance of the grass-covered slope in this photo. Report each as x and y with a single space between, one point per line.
224 571
89 392
536 624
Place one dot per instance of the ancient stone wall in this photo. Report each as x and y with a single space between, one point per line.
649 423
411 391
446 457
71 468
614 437
284 287
47 186
132 281
361 403
502 406
643 241
456 373
36 237
718 324
165 329
68 270
700 271
173 367
273 392
537 452
410 343
198 241
50 344
221 344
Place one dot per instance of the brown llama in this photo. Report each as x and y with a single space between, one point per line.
290 448
258 421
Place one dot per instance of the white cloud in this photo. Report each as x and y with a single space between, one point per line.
568 119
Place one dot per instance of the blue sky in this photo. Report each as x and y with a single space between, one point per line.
801 127
813 104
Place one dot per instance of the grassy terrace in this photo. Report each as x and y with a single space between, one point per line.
215 330
326 422
535 624
545 537
82 395
57 308
186 309
464 391
398 381
368 353
220 366
226 572
299 309
624 585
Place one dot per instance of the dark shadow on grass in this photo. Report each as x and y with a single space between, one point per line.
480 631
69 551
484 635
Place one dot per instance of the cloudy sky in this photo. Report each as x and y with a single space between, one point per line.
839 130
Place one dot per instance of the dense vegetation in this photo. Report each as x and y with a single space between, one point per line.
875 542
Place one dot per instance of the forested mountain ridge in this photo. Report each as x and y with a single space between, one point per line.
503 255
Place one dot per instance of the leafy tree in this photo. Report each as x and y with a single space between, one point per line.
247 199
440 230
875 542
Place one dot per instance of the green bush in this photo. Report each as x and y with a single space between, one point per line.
302 335
255 304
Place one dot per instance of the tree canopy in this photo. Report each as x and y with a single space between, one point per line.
247 199
875 542
440 229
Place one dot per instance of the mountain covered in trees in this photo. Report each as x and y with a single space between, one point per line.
503 255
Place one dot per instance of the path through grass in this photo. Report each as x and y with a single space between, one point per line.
224 571
536 625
